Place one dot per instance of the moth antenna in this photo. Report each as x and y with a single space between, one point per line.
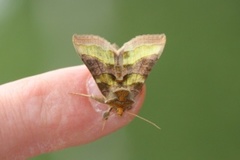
80 94
99 99
144 119
104 123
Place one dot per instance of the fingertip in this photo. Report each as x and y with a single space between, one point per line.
57 119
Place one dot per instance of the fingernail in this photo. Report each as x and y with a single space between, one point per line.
93 90
92 87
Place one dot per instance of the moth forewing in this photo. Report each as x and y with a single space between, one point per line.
148 44
89 40
119 73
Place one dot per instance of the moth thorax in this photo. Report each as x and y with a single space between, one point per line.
122 94
118 72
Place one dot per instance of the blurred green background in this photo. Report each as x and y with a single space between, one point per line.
193 92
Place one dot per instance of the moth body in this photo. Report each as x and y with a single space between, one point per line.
120 100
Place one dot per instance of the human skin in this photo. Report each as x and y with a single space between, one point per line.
39 115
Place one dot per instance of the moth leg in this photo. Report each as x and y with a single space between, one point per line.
96 98
107 113
105 117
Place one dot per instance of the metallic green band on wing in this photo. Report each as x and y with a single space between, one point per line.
132 56
133 79
107 79
105 56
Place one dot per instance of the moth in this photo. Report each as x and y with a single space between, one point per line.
119 72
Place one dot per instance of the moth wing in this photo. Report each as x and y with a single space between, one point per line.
139 55
99 57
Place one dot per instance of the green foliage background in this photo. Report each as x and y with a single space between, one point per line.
193 92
